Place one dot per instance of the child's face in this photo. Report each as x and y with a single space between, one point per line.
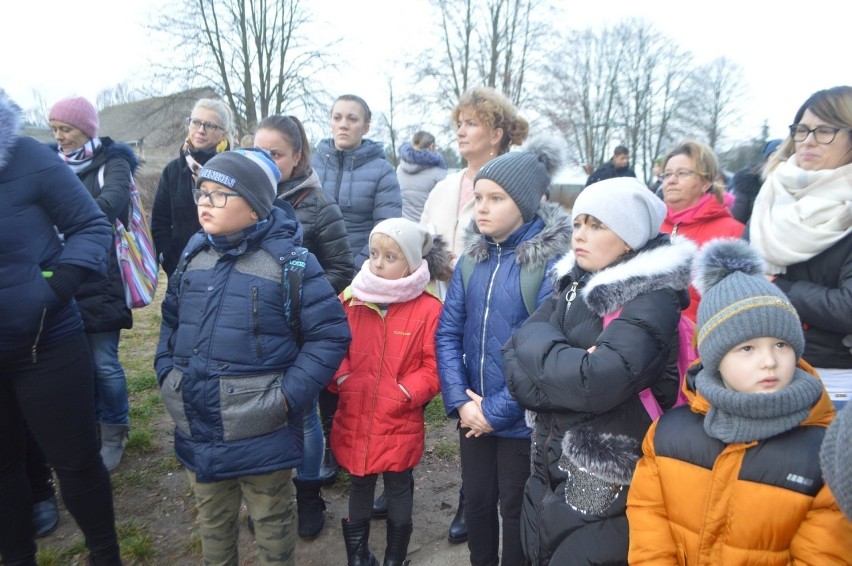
595 246
759 365
233 217
497 215
386 258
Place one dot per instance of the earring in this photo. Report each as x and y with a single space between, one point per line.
491 154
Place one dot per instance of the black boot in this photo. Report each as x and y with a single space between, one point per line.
458 528
309 505
327 407
356 535
397 548
328 472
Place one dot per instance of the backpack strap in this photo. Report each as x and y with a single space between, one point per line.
291 284
531 279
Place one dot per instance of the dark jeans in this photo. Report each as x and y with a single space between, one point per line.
494 470
38 471
54 397
397 491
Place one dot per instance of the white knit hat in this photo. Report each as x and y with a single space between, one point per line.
413 239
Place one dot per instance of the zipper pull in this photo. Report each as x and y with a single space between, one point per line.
674 232
571 294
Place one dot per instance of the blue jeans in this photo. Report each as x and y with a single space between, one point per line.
111 405
313 450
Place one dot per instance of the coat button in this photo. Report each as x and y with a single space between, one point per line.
195 351
210 288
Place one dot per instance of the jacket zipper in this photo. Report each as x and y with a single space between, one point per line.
485 323
674 232
376 388
38 335
255 318
569 299
340 160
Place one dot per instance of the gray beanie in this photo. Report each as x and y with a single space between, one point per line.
626 206
525 175
247 171
836 459
738 303
413 239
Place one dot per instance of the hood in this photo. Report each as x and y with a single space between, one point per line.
11 118
821 414
413 160
439 260
290 187
367 151
661 264
551 241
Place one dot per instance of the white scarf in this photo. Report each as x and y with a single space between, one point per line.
799 214
373 289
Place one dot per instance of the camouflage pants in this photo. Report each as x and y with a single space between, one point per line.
269 498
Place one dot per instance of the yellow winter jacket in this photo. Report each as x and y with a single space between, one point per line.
695 500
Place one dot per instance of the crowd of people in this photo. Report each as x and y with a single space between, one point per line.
317 301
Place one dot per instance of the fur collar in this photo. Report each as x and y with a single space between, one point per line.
10 126
609 457
552 241
662 264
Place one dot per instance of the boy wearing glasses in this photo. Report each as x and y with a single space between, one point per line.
234 374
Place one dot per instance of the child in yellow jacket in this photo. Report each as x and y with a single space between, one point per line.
734 478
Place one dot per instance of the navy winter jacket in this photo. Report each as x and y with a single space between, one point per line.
478 320
228 360
41 197
363 184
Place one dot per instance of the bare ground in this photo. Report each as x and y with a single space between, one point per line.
153 500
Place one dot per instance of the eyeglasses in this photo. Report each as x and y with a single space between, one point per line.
679 174
197 124
217 199
822 134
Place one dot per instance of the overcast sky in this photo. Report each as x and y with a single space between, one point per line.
787 51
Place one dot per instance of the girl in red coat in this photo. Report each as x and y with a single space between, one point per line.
387 378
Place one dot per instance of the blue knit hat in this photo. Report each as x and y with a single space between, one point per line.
247 171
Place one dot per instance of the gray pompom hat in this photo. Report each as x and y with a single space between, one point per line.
738 303
525 175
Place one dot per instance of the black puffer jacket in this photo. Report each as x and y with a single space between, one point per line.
101 300
821 291
584 407
323 228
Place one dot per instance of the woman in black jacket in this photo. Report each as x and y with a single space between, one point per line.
580 380
106 169
174 216
324 234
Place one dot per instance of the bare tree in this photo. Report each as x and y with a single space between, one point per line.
255 53
482 44
716 92
36 115
122 93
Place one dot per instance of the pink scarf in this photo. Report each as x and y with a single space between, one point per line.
688 213
371 288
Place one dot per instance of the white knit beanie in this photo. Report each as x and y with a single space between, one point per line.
413 239
627 208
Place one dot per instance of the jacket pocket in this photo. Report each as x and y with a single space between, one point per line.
172 393
251 405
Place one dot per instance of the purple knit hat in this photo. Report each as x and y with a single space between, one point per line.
78 112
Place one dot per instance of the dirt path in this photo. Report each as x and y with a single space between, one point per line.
153 498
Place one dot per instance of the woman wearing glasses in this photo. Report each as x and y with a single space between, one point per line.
801 225
174 217
695 201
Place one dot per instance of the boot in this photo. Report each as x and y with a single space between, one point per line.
107 558
309 505
328 472
45 517
113 439
397 548
356 535
458 528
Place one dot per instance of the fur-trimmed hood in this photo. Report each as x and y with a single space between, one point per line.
10 126
661 264
549 243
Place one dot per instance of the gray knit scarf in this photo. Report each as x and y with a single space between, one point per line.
743 417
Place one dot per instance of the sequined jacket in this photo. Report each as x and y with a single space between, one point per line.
584 407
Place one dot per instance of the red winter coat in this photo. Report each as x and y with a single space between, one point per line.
711 221
377 426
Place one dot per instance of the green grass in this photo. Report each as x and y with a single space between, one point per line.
435 416
137 544
446 449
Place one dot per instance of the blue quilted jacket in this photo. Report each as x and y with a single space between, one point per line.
41 197
228 360
363 184
478 320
